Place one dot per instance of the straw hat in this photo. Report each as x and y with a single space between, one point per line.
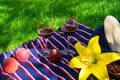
112 34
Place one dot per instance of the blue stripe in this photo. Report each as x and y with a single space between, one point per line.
31 70
69 70
1 58
37 55
22 74
2 77
41 67
55 69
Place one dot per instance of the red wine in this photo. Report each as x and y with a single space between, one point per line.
69 30
46 32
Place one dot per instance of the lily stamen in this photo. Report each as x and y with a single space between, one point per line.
92 61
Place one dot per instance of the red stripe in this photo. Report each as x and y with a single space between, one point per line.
43 76
79 24
76 23
85 26
69 24
61 32
78 40
62 69
18 78
67 42
82 37
44 65
70 44
4 55
71 68
73 56
65 60
89 34
40 44
52 45
66 73
62 37
67 63
20 66
15 75
58 42
75 39
26 72
6 74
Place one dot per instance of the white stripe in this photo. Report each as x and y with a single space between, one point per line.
72 68
82 37
78 24
67 42
69 24
36 60
40 44
78 41
66 73
58 42
59 68
17 76
69 65
14 73
70 42
37 70
61 32
42 41
24 68
27 72
61 37
89 34
85 26
53 45
4 54
45 64
6 74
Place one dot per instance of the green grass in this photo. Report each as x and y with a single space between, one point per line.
20 19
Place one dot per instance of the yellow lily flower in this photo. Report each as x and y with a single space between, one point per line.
91 61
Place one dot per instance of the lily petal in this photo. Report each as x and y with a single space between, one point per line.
100 71
93 45
91 61
80 48
106 58
84 73
75 62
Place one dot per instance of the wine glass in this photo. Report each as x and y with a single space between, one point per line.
45 33
69 30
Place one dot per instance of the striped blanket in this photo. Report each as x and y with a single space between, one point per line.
38 67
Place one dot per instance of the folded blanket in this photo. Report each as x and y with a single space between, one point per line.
38 67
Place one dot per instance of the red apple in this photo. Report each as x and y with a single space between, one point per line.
22 55
54 55
10 65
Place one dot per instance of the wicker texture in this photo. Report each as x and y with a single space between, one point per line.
114 70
